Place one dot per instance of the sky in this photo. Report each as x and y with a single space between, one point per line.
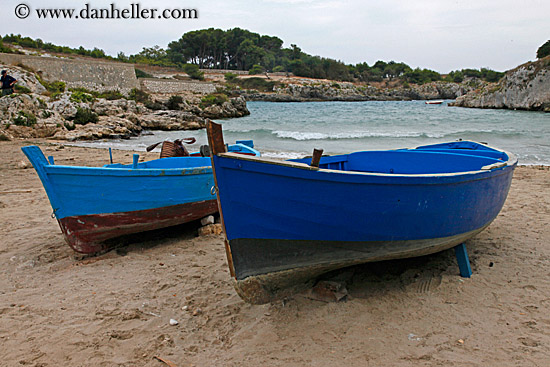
441 35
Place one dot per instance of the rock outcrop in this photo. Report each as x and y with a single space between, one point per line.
35 113
526 87
309 90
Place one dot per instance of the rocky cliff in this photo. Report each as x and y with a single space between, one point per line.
526 87
312 90
35 112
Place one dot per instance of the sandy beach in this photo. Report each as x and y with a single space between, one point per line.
58 308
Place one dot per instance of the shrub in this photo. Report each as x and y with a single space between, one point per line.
79 97
22 89
231 77
54 87
278 69
142 74
139 96
193 71
84 116
25 119
110 95
213 99
543 50
5 49
154 105
256 69
259 84
68 126
174 102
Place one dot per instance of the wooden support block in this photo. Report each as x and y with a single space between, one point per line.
463 261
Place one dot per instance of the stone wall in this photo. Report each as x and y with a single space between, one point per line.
168 86
241 72
89 74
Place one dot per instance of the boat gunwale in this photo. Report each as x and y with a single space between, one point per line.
511 162
125 171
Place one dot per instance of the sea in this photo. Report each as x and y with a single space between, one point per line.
293 130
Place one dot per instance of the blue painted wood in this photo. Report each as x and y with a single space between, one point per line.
364 196
50 159
135 158
463 261
115 188
110 156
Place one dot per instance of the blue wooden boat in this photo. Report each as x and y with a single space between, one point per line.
292 221
93 204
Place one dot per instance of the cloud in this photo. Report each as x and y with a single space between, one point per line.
442 35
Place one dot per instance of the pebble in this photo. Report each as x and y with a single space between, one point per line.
197 312
173 322
207 220
23 165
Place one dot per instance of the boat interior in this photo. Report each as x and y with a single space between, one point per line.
433 159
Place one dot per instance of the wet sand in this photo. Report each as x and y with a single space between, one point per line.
58 308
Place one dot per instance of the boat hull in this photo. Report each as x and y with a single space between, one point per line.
87 233
93 204
258 279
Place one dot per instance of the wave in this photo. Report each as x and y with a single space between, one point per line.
303 136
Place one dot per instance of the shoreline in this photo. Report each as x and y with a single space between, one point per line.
60 308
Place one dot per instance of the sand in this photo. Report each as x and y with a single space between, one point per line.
62 309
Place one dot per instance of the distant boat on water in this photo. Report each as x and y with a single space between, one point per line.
287 222
438 101
94 204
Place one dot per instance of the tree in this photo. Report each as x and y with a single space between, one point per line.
544 50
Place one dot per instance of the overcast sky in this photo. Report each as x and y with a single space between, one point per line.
442 35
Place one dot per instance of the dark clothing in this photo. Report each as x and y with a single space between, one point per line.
7 80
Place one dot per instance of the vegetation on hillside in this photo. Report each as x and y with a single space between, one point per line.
240 49
544 50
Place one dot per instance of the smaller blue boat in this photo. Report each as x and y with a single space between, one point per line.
293 221
93 204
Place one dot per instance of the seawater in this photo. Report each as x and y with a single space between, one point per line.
291 130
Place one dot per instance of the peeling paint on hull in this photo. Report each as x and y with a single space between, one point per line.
86 233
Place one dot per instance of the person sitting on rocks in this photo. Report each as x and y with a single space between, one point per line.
7 83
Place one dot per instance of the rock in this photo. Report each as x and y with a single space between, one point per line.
173 322
23 165
235 107
12 105
171 120
310 90
25 78
328 291
207 220
526 87
214 229
115 107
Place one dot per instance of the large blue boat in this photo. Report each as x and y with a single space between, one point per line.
93 204
287 222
